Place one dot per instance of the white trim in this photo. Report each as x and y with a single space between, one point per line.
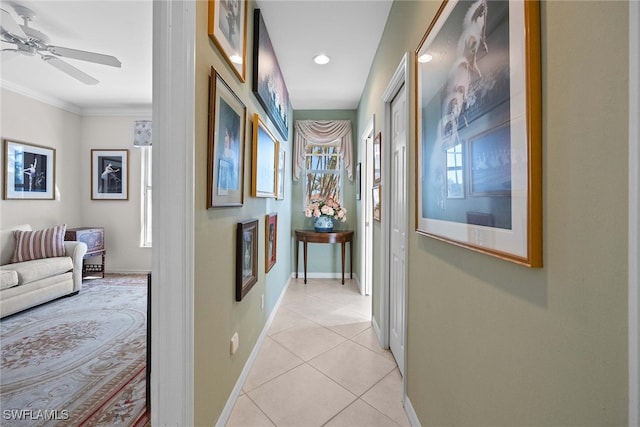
366 216
46 99
143 109
172 296
411 413
634 213
400 77
376 328
237 389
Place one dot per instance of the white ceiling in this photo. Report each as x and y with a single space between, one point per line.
347 31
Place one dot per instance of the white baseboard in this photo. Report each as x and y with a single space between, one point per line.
319 275
376 329
237 389
411 413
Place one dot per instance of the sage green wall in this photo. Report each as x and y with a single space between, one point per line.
217 315
492 343
326 258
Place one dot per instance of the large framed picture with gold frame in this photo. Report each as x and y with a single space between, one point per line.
478 129
225 159
264 168
227 29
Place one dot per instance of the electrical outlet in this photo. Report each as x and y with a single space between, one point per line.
262 302
235 342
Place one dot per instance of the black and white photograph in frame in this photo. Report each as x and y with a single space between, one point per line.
109 174
29 171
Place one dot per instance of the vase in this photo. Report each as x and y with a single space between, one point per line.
323 224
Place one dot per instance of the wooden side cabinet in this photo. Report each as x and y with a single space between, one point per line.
93 237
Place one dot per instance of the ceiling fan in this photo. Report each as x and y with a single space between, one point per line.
29 41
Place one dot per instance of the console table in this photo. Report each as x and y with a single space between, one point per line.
310 236
94 239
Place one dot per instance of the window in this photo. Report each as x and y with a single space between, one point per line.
455 180
145 234
323 172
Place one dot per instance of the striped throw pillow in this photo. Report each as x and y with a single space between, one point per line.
39 244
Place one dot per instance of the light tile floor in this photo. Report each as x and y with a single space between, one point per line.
321 365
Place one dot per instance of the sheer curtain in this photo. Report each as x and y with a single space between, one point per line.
322 132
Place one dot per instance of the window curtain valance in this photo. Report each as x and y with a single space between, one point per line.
322 132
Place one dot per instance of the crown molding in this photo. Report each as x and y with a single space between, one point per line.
142 110
54 102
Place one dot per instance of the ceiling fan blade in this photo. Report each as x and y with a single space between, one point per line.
84 55
9 26
70 69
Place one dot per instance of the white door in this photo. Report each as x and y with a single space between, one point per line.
366 240
398 227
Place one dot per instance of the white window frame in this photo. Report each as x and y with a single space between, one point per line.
339 171
146 196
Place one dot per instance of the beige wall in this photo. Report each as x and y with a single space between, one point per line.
491 343
73 136
121 219
27 120
217 314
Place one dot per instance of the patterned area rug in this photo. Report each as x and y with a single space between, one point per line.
79 360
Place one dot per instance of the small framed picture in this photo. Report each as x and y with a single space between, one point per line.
110 174
265 156
29 171
376 203
271 239
377 159
246 257
227 124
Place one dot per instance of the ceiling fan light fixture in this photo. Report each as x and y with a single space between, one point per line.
321 59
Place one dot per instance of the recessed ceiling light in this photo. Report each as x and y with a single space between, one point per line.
425 58
321 59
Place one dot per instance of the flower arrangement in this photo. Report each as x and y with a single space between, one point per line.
329 207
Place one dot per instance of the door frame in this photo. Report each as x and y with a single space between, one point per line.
400 78
172 265
634 214
366 216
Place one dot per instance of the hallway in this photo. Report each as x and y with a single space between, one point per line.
321 364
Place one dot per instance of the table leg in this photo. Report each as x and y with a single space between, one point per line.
297 246
103 256
305 262
342 262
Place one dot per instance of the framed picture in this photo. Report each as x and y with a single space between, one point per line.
358 181
246 257
377 206
282 172
377 159
227 127
268 83
29 171
264 175
478 129
110 174
271 239
228 31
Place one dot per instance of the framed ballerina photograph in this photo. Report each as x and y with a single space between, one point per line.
110 174
29 171
478 129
